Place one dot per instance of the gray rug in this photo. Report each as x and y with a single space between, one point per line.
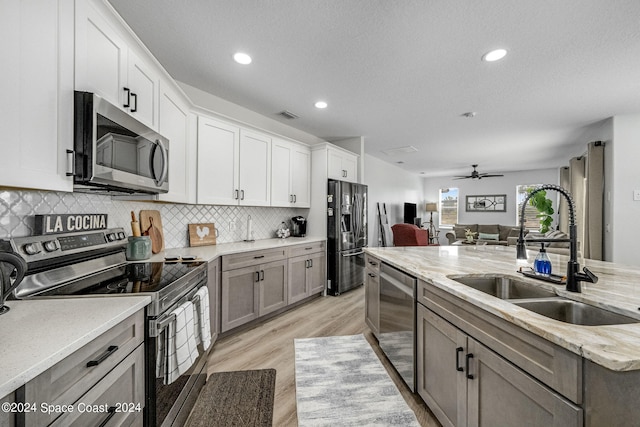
238 398
341 382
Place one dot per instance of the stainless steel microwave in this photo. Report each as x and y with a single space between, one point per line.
115 152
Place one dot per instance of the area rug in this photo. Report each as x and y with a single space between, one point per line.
238 398
341 382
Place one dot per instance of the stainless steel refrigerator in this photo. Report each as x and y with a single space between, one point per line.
346 235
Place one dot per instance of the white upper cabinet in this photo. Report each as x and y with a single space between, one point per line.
107 66
342 165
255 169
218 162
173 122
36 105
234 165
290 174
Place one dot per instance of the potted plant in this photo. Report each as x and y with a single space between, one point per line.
545 209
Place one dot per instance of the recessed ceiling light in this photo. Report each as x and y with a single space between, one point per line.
242 58
494 55
321 104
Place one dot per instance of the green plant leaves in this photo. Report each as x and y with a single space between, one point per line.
545 209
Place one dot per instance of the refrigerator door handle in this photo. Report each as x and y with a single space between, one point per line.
353 254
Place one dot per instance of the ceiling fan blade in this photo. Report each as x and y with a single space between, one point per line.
489 175
463 177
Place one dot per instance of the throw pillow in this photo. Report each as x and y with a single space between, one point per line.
488 236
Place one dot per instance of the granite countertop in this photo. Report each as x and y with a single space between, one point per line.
616 347
209 253
37 334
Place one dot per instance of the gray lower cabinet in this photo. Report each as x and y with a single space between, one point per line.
307 276
213 287
7 418
250 292
467 384
107 371
372 294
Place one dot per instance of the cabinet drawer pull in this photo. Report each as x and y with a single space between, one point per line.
295 199
236 194
458 351
261 275
135 99
469 357
258 256
257 276
308 249
112 349
373 263
241 194
112 412
128 103
372 275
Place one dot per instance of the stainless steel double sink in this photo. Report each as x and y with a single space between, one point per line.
541 300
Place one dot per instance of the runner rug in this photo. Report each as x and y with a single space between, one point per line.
238 398
341 382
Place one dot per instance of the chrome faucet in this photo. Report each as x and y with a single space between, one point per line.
574 277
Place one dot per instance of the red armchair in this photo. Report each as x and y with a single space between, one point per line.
409 235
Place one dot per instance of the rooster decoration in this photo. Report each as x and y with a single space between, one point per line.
202 232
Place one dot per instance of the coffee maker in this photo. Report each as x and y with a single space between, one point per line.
298 226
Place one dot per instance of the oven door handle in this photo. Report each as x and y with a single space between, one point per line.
162 322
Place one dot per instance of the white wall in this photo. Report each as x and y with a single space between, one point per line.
623 178
497 185
391 185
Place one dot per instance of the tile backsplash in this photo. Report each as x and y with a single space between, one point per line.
17 210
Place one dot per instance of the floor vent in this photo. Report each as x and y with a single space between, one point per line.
288 115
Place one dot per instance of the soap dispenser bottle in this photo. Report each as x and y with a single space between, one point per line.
542 263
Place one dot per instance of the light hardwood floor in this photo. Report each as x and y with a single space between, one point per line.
270 345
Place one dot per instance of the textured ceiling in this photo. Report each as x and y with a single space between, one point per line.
402 72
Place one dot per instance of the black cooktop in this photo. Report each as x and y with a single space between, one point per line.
127 279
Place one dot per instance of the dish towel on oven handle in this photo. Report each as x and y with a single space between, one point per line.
182 348
201 310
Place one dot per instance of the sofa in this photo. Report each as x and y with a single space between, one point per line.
508 235
490 234
409 235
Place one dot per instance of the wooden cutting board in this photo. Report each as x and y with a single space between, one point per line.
151 225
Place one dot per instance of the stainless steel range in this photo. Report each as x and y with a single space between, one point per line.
92 264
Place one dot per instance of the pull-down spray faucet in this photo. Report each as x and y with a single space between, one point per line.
574 277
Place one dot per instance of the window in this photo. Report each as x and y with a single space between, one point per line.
531 220
448 206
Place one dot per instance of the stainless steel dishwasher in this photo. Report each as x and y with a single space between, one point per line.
397 321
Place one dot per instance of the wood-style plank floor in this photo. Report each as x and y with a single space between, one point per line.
270 345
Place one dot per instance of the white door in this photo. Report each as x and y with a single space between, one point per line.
101 56
301 177
36 101
218 162
174 124
143 82
255 169
281 158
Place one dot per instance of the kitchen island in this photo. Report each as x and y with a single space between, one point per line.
560 373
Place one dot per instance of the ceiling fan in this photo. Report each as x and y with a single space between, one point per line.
476 175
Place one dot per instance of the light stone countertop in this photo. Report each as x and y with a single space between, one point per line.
37 334
209 253
616 347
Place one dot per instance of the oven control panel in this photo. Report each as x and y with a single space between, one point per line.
37 248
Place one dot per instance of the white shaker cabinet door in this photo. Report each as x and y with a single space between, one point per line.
174 124
101 56
36 104
255 169
218 162
281 158
301 177
143 83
